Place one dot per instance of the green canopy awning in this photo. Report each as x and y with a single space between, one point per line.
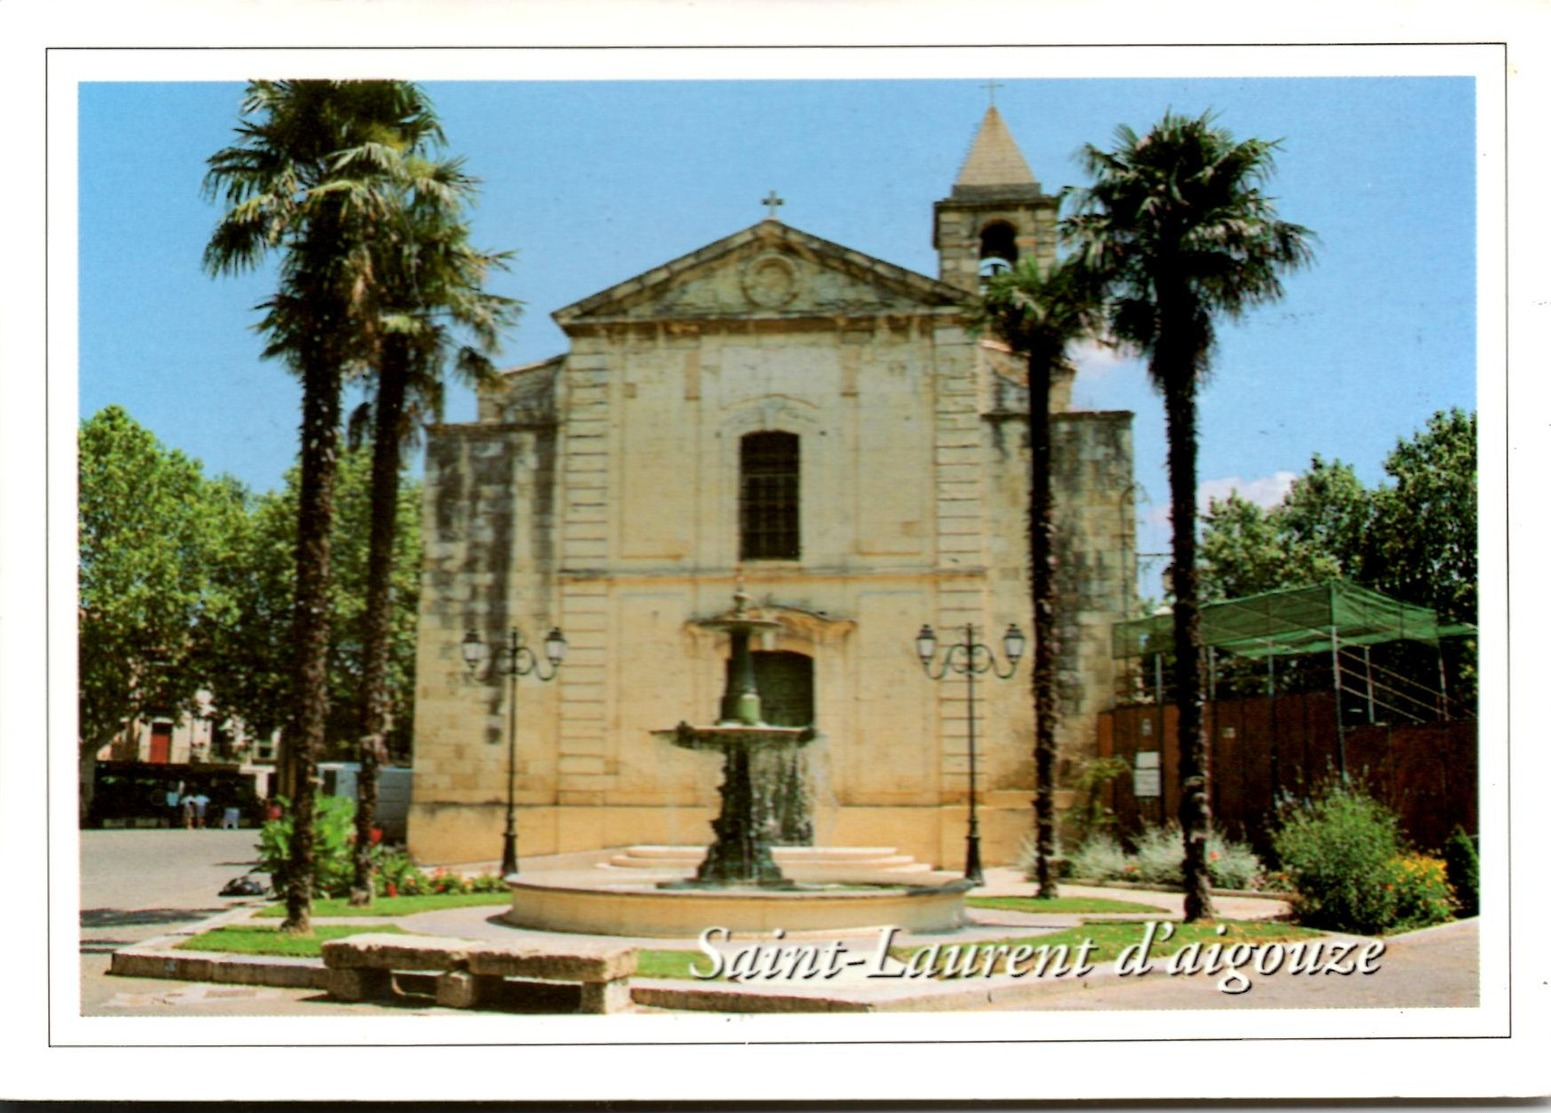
1289 622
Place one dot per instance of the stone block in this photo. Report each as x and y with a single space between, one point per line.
605 997
458 989
581 961
359 985
395 952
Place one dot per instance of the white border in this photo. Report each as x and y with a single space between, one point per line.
1315 1065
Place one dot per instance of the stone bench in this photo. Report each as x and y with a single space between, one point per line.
471 972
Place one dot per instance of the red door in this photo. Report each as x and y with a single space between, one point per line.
161 743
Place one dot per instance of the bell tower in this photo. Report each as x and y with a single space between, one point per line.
996 214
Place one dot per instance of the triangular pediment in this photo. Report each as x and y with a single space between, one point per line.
768 270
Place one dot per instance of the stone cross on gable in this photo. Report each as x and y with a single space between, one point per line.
991 87
773 202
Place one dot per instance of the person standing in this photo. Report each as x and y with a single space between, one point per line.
201 802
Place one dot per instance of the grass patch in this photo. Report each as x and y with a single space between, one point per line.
1062 904
670 964
262 939
395 906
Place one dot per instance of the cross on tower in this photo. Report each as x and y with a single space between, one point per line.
772 202
991 87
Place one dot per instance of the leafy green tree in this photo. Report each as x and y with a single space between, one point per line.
316 176
249 657
1326 517
1178 231
1040 313
1241 550
1425 536
152 526
433 290
1319 531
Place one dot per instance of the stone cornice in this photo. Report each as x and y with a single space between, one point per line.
928 295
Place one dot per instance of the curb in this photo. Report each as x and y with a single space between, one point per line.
155 959
160 958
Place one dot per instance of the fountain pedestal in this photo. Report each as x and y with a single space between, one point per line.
739 855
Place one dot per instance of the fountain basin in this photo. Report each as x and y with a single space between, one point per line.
823 865
582 903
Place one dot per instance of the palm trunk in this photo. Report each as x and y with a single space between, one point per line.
311 627
1042 588
379 604
1195 813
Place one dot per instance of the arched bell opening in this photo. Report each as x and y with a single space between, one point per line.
998 248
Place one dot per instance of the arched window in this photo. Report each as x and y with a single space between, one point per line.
998 248
768 490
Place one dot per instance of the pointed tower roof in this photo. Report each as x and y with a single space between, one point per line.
995 165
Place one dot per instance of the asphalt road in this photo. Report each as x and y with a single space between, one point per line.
136 885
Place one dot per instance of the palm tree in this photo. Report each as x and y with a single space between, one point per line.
432 284
1177 230
310 178
1039 313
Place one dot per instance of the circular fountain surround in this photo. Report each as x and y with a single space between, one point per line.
601 902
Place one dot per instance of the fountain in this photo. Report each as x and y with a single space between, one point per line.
740 855
739 884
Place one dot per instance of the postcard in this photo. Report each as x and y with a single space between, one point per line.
780 670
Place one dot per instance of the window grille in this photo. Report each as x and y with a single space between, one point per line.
768 497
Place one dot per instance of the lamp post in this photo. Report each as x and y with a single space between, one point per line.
513 659
970 659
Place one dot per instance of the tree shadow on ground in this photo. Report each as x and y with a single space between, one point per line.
118 917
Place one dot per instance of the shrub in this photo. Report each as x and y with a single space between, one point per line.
391 877
1232 865
1422 892
446 881
1160 853
408 880
487 883
1463 862
1099 858
333 828
1337 850
1093 816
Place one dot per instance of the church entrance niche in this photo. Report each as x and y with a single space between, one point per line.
785 682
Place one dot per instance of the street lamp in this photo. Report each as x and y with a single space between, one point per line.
513 659
969 659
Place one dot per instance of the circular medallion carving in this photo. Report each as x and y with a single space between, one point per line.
770 281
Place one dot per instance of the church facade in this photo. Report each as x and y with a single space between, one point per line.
820 426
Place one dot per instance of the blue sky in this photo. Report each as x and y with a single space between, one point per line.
593 182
